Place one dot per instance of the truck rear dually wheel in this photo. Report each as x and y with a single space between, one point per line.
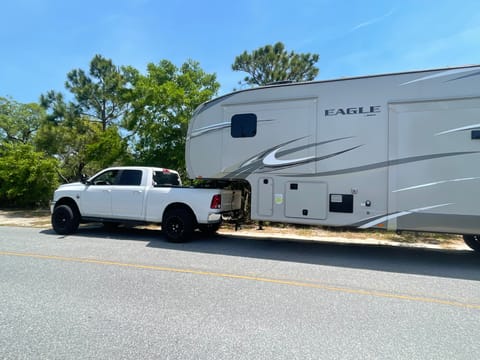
65 220
473 241
178 225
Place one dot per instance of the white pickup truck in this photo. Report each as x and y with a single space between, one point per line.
142 195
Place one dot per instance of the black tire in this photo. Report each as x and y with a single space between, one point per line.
178 225
209 229
65 220
473 241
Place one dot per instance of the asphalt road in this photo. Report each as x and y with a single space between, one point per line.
132 295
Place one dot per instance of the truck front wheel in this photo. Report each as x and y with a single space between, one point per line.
65 220
473 241
178 225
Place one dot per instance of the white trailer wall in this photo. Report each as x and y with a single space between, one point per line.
446 176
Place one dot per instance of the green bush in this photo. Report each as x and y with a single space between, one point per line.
27 178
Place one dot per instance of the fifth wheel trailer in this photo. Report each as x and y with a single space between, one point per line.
396 151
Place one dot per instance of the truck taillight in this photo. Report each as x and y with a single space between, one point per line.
216 202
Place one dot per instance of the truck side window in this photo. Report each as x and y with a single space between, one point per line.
165 179
244 125
106 178
130 177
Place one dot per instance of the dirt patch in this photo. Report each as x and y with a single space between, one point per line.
427 240
28 218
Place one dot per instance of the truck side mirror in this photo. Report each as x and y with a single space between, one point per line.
83 179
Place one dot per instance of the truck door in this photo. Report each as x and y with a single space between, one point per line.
96 199
127 195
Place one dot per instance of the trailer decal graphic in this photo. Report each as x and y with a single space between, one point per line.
271 160
386 164
314 159
267 159
216 127
466 76
210 128
443 74
434 184
463 128
397 215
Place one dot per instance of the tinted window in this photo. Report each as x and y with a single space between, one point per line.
130 177
165 179
244 125
106 178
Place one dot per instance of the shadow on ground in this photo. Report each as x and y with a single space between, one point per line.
460 264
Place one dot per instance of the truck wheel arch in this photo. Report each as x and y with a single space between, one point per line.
65 217
172 206
178 222
71 203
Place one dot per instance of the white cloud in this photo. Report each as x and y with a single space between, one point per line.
373 21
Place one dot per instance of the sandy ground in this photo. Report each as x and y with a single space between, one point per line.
30 218
41 219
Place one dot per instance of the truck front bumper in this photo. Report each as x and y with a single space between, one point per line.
52 206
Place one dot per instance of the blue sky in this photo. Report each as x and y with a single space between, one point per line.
42 40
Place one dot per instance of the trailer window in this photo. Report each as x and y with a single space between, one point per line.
244 125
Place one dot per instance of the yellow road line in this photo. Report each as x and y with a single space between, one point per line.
250 278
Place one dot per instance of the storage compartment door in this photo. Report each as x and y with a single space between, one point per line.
306 200
265 196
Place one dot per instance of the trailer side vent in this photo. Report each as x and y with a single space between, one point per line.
341 203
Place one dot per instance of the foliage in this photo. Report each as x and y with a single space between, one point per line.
162 102
270 64
27 177
57 109
118 111
19 122
83 133
117 115
81 146
101 93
